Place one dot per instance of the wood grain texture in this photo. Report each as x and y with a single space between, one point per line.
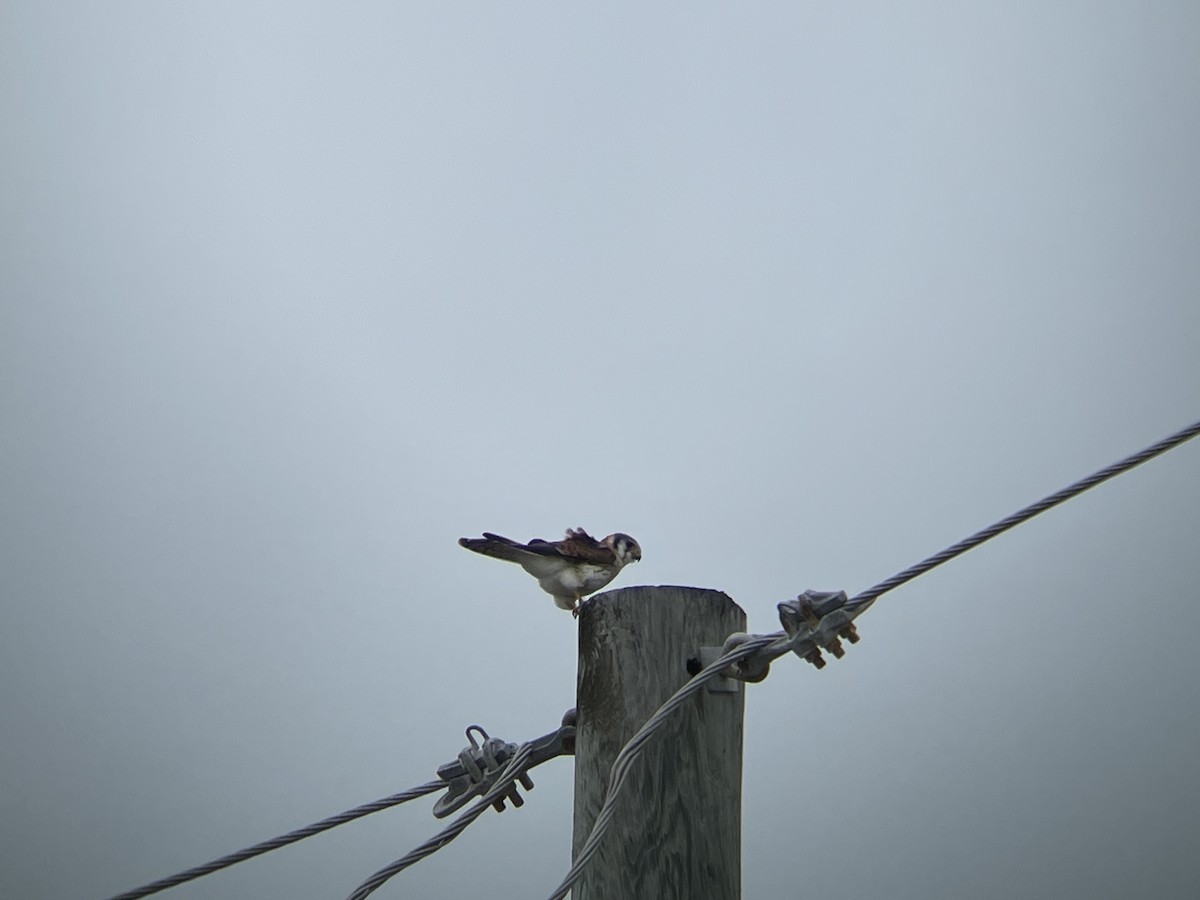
677 829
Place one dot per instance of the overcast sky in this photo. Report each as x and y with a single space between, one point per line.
293 295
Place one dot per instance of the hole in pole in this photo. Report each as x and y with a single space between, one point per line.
694 666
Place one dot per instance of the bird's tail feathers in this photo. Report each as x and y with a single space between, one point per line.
495 545
501 538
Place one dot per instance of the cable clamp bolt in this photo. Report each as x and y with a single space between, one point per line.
816 621
478 766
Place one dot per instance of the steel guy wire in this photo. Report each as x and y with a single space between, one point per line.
513 770
867 597
275 843
777 644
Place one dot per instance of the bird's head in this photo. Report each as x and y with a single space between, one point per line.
624 547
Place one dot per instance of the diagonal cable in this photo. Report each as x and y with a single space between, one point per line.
867 597
777 644
283 840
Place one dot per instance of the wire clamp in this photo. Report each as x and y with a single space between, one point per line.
752 669
816 621
478 766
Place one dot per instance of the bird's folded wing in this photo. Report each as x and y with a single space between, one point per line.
582 546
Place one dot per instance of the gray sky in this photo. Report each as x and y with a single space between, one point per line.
295 295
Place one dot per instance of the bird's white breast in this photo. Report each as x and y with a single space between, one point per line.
581 578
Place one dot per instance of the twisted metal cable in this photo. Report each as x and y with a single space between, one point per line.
283 840
777 644
512 770
867 597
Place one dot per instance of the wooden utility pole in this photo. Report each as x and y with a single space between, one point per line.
677 831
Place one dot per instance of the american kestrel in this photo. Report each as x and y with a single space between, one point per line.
567 570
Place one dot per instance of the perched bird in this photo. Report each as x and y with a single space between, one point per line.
567 570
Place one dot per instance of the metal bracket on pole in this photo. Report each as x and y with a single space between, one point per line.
722 684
